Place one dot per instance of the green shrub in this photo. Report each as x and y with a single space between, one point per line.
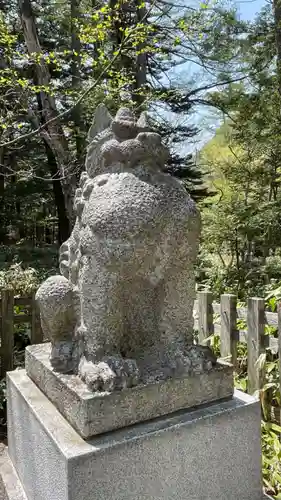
21 281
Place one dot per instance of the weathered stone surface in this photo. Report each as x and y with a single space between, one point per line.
56 299
94 413
11 488
130 261
10 485
212 453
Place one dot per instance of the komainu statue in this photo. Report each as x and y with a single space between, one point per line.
121 313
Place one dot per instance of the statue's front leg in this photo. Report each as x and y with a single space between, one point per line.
176 326
102 326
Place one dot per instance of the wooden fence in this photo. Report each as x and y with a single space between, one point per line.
210 318
28 314
225 325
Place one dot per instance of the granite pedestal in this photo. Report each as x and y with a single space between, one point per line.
95 413
212 452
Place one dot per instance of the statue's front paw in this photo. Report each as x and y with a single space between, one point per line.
113 373
202 358
126 371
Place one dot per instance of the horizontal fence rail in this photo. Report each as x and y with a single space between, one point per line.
225 325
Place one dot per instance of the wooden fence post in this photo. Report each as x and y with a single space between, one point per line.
7 332
229 333
205 316
256 343
36 335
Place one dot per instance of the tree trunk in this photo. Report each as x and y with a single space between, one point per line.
63 222
2 196
277 22
123 16
141 61
130 14
56 137
79 128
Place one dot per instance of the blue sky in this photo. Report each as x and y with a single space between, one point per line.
206 119
249 8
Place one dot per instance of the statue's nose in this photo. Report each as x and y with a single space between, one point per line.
149 138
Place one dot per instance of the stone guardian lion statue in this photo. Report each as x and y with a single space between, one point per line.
121 313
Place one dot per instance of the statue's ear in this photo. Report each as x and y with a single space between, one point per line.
143 122
101 121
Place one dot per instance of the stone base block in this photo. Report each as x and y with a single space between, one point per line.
211 453
10 485
11 488
95 413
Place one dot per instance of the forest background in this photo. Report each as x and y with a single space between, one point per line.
188 65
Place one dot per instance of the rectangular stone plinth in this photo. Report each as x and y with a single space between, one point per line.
95 413
10 485
11 488
212 453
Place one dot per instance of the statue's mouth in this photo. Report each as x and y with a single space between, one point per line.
146 146
126 127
